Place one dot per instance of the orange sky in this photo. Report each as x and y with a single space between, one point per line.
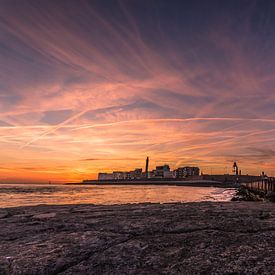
88 87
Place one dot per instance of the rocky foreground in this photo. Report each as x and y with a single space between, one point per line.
216 238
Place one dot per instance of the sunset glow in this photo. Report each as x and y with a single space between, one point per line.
88 87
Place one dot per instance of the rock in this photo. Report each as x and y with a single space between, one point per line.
190 238
4 214
264 215
271 196
44 216
5 265
245 194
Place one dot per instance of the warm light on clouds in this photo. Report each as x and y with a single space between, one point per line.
90 86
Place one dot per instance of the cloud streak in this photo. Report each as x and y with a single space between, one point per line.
105 81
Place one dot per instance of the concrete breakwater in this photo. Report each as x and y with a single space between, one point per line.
190 238
250 193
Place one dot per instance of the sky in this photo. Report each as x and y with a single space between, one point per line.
89 86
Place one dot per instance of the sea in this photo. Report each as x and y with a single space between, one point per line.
13 195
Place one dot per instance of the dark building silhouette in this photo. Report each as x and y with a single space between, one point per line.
147 167
159 172
183 172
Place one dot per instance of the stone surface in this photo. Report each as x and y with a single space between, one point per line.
3 214
192 238
44 216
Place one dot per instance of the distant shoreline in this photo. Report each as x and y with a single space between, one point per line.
194 183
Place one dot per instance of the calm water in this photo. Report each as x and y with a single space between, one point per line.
29 194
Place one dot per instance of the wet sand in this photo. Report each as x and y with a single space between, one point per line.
190 238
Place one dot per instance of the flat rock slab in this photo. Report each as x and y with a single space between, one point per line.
44 216
3 214
190 238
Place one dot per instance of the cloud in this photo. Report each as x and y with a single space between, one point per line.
263 153
136 78
56 117
4 124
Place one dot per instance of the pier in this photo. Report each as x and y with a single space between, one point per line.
267 185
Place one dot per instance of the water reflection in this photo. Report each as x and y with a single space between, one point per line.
29 194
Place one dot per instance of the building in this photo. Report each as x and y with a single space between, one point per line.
105 176
169 174
151 174
159 172
183 172
118 175
136 174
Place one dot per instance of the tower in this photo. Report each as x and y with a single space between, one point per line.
236 168
146 167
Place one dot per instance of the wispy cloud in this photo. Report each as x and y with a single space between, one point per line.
114 82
